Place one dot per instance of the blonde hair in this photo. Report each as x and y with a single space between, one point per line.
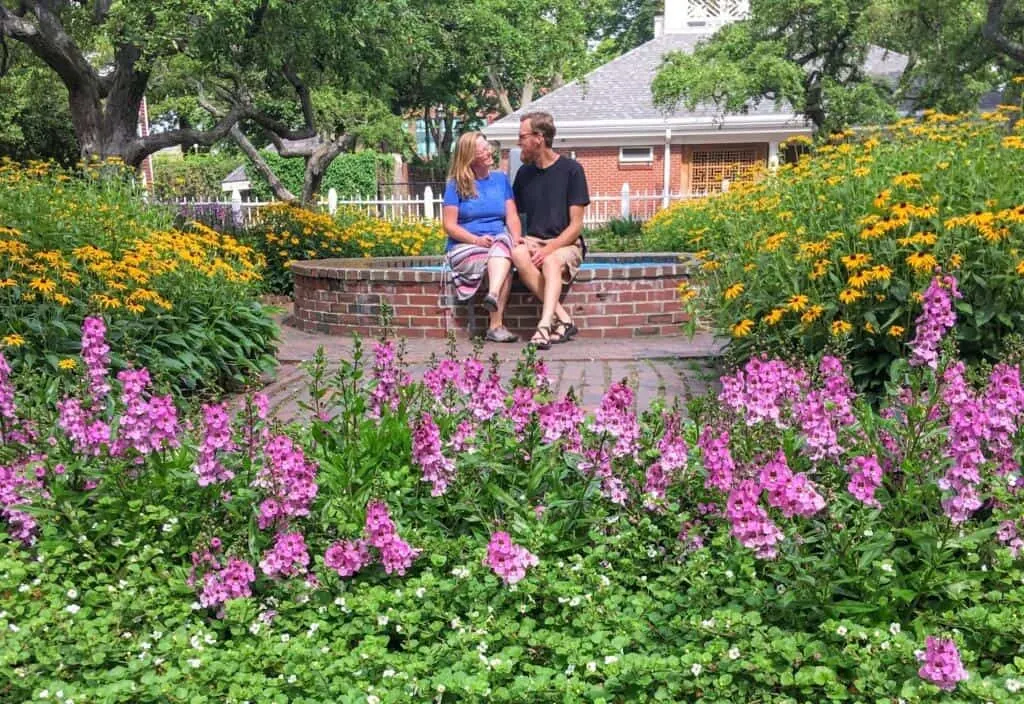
461 169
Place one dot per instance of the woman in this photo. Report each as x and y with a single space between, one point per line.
482 224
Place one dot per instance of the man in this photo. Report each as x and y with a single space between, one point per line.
550 192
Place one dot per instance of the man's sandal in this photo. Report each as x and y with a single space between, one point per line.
542 338
564 331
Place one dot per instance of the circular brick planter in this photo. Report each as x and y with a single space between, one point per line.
633 296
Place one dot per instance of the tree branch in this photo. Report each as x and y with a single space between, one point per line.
303 92
48 40
992 31
279 189
499 90
144 146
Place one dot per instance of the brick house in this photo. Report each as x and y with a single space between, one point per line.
608 122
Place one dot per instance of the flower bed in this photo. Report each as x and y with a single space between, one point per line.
460 537
75 243
833 251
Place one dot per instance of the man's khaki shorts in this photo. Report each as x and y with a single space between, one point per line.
571 256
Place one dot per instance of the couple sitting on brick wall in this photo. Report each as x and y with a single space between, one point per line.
486 236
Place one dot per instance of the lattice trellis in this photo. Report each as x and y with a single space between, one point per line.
710 166
717 9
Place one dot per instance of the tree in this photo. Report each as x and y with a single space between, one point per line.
811 56
622 25
34 119
105 54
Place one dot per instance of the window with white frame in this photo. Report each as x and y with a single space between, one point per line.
636 155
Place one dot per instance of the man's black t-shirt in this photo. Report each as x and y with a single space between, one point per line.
543 196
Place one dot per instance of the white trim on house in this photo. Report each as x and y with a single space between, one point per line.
685 130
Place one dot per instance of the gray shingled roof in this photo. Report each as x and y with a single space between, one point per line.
621 89
236 176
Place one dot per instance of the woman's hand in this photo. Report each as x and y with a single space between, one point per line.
482 241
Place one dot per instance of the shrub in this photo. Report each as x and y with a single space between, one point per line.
836 248
617 235
788 544
75 243
287 233
193 176
351 175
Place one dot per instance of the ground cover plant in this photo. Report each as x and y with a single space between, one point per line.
287 233
835 248
82 241
469 535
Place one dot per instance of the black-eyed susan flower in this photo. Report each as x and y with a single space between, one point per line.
12 340
853 262
841 327
850 295
742 328
811 314
774 317
895 331
733 291
67 364
922 262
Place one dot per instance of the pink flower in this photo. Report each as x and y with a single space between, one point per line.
942 666
288 558
348 557
936 319
395 554
508 560
426 452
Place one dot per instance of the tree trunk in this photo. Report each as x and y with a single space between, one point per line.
280 191
317 163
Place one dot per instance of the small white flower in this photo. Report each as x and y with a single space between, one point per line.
884 645
575 601
734 653
372 699
887 567
194 662
126 635
460 572
72 593
842 630
729 574
569 670
868 533
780 588
339 601
209 639
292 679
196 643
195 606
325 649
493 662
157 635
611 659
22 588
157 662
707 623
382 620
254 627
45 694
420 592
72 608
984 568
59 694
14 629
1014 685
440 689
285 637
388 673
481 647
605 581
696 669
591 666
894 628
145 645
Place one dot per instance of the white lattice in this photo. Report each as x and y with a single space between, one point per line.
722 10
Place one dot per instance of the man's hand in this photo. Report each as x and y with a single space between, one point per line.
538 255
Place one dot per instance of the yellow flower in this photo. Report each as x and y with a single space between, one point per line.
61 299
742 328
856 261
812 314
820 269
850 295
686 292
841 327
859 280
861 171
907 180
922 262
706 266
67 363
733 291
797 302
869 328
7 283
775 316
13 340
882 199
895 331
43 285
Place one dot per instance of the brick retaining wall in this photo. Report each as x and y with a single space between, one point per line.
342 296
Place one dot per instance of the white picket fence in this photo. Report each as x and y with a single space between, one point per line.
602 208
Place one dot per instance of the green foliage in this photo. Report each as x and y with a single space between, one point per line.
76 243
352 175
807 56
35 122
194 176
617 235
836 249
